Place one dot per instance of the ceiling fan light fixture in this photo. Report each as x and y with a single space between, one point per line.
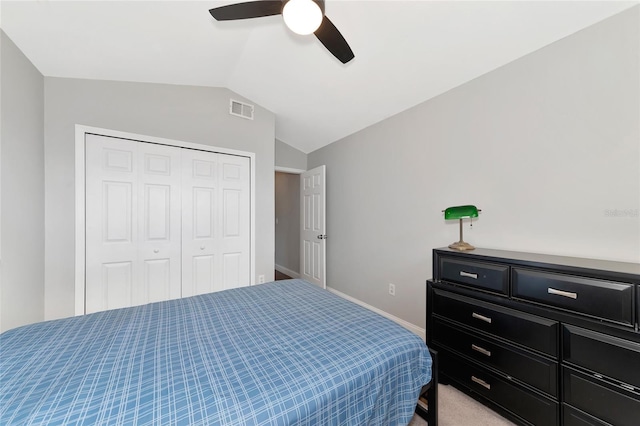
302 16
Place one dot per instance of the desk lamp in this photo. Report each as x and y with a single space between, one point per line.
461 212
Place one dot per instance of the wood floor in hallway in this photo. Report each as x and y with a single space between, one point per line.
280 276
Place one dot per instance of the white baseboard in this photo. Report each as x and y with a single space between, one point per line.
287 271
411 327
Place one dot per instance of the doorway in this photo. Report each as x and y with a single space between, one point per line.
287 226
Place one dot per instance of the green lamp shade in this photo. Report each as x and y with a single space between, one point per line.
460 212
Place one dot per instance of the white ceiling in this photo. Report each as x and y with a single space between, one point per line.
406 51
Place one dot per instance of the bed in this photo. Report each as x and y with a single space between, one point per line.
281 353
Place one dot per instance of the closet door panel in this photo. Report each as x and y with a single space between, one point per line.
234 177
111 223
118 216
232 267
133 221
157 285
200 238
231 213
160 222
115 287
203 212
203 271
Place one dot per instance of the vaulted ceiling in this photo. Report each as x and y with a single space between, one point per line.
406 52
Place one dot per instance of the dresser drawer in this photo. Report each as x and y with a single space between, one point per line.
573 417
528 330
608 402
603 354
517 363
485 276
603 299
525 404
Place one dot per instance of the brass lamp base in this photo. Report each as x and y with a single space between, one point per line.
461 246
461 212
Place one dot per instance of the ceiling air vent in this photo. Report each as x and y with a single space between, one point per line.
241 109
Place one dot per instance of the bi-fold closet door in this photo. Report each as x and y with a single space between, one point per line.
162 222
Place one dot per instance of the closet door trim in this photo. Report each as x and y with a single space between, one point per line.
80 248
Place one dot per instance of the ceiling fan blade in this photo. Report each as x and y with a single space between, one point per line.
252 9
329 35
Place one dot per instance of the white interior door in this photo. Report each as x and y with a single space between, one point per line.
234 220
159 223
216 222
163 222
313 226
200 242
111 223
132 223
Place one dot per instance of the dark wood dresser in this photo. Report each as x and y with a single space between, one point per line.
544 340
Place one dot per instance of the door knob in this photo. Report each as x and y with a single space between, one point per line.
201 247
156 250
322 237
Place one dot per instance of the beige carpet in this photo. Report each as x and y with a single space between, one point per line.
457 409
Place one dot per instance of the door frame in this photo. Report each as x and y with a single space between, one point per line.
277 267
80 220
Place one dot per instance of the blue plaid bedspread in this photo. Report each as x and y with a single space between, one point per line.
282 353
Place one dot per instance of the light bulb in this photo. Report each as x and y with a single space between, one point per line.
302 16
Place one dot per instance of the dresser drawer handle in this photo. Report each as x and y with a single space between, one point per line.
481 317
481 382
628 387
468 275
568 294
483 351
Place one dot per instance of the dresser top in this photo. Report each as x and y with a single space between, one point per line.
626 270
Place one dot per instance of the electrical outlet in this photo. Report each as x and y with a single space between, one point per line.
260 279
392 289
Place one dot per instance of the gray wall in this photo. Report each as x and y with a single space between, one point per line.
547 146
288 221
22 189
190 114
289 157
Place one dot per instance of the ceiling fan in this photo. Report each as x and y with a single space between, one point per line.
301 16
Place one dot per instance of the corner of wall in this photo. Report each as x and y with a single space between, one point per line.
22 204
288 157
